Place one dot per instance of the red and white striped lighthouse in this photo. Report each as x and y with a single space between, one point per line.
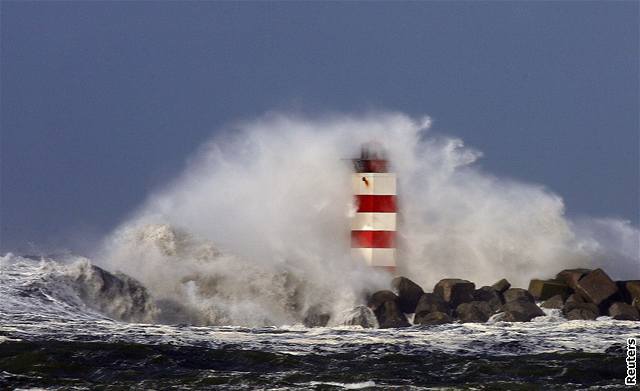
373 228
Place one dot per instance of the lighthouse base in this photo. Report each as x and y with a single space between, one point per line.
389 269
378 258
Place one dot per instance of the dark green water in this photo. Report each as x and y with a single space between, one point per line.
126 366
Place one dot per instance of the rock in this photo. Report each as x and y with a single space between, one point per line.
575 308
619 296
432 318
544 289
596 287
389 315
574 298
633 288
571 276
385 305
555 302
501 285
581 314
629 290
430 302
623 311
576 302
409 293
521 310
622 294
316 316
379 298
455 291
636 303
489 295
114 294
474 312
514 294
359 316
514 316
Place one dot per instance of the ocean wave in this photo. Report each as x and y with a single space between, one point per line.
43 299
56 333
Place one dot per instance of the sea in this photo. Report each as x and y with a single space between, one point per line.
51 340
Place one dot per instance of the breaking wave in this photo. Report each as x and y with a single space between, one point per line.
70 288
256 229
58 331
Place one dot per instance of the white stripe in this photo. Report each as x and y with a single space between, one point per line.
375 256
376 183
374 222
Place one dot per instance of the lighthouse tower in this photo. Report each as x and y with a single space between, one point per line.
373 228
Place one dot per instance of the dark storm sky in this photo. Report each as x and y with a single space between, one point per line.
103 101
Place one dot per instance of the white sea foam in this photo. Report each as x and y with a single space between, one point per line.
255 231
27 315
346 386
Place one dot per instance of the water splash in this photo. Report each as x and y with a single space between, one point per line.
255 231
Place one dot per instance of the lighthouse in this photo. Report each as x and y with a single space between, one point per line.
373 228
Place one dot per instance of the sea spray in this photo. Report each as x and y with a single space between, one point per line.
256 229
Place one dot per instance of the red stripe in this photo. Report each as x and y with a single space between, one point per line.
373 239
376 203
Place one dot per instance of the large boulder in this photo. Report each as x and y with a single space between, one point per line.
409 293
575 308
555 302
501 285
358 316
581 314
474 312
633 289
514 294
432 318
455 291
514 316
379 298
114 294
489 295
545 289
520 310
316 316
629 290
430 302
596 286
623 311
389 315
385 305
571 276
576 301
